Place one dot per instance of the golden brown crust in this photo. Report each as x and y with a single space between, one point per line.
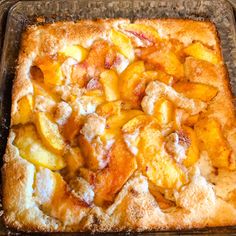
20 212
134 209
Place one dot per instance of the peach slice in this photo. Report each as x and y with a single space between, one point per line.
94 153
199 51
31 148
109 80
129 82
165 173
78 75
95 61
25 108
111 57
123 43
161 76
51 69
191 120
72 127
74 160
96 96
109 109
115 122
164 111
88 175
49 133
168 61
144 52
193 90
137 122
176 47
211 139
150 143
143 32
192 152
77 52
42 90
94 93
111 179
159 168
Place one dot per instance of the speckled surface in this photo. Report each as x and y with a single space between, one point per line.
25 13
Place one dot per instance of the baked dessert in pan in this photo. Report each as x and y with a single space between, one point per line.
120 126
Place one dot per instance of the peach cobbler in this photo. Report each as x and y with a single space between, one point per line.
120 126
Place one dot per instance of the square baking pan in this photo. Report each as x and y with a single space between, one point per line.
25 13
5 5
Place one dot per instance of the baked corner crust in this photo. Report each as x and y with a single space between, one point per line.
199 203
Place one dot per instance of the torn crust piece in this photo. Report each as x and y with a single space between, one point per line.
120 126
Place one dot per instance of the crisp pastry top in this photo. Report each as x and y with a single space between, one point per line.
128 122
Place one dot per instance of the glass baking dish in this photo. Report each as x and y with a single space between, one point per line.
26 13
4 7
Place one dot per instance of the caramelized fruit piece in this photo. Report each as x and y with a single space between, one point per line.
25 108
176 46
111 57
95 96
49 133
51 69
212 140
75 51
72 127
193 90
78 75
130 79
165 173
159 168
109 109
109 80
164 111
167 61
115 122
95 61
161 76
31 148
88 175
143 32
201 52
94 93
191 120
123 43
150 143
192 153
93 152
74 160
144 52
41 90
137 122
110 180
